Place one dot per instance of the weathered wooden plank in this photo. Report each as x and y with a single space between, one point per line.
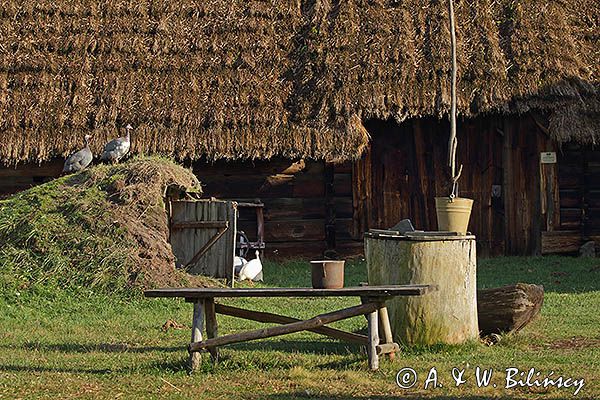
312 323
361 195
561 242
288 230
199 224
280 319
211 326
373 334
197 327
329 204
370 291
179 237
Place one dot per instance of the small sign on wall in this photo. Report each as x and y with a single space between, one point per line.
548 157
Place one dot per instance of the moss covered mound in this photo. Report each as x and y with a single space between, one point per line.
105 228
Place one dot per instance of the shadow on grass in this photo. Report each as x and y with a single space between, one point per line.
317 347
91 347
304 395
39 368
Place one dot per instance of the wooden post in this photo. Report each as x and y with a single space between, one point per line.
362 195
387 329
373 329
211 326
508 190
329 206
197 327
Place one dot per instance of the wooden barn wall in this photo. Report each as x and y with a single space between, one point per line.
521 206
297 207
25 176
405 169
578 201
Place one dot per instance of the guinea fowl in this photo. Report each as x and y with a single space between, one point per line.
117 148
79 160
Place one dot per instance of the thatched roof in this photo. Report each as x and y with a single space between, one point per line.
250 78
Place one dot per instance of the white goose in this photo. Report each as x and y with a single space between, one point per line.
252 270
238 263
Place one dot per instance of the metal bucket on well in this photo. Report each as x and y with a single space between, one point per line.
327 274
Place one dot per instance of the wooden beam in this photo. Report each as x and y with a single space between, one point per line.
199 224
312 323
381 292
280 319
211 326
373 329
387 348
361 195
207 246
508 308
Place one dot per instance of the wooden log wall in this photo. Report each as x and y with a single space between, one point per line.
578 180
407 165
521 206
405 169
307 203
25 176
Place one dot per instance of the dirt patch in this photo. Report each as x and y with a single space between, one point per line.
574 343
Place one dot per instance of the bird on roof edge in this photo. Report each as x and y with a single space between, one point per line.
117 148
79 160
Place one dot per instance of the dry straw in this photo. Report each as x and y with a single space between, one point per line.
255 79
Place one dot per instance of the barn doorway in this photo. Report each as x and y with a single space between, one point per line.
405 169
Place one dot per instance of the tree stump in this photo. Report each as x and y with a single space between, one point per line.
446 316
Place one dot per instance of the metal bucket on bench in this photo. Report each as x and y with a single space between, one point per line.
327 274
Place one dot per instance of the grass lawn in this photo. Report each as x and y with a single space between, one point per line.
58 346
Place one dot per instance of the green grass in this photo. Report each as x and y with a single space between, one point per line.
87 346
91 229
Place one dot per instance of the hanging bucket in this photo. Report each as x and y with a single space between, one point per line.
453 214
328 274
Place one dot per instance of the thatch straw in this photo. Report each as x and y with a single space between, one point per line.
254 79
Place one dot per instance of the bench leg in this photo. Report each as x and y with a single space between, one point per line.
211 327
387 329
197 328
373 328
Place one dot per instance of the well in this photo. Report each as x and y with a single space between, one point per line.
447 260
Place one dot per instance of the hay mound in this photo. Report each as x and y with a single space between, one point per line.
105 228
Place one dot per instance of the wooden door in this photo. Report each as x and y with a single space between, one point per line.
203 236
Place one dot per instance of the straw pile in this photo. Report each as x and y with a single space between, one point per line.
259 78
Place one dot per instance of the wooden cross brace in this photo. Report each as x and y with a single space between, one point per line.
205 310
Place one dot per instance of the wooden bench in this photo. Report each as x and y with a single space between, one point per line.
373 307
